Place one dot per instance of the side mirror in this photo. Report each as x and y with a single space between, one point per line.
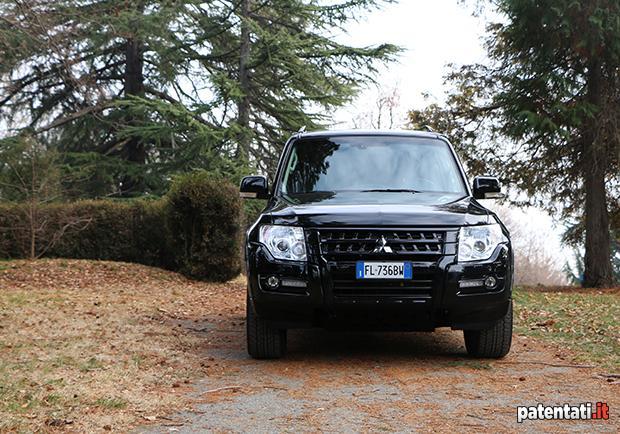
254 187
487 187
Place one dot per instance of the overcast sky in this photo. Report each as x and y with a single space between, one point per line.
433 34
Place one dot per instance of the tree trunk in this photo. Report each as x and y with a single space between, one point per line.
243 106
135 151
32 221
134 68
32 205
598 269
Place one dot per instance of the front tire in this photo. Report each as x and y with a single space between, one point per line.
263 340
493 342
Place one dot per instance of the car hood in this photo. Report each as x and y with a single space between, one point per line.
378 209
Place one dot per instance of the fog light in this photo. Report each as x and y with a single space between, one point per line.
273 282
490 282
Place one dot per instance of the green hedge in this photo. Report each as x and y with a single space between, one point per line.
195 229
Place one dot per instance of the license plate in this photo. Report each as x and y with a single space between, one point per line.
383 270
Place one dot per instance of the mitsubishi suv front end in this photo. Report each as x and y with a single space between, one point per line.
376 231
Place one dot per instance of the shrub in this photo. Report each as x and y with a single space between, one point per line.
195 229
109 236
130 231
204 216
9 244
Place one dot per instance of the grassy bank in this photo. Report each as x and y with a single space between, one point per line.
94 346
587 322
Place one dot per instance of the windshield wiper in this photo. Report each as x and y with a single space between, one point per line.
391 190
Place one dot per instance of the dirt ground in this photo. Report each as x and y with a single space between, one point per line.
100 347
397 382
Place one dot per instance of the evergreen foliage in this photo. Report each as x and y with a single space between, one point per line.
137 91
545 114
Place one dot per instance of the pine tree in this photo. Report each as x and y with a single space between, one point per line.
545 113
291 71
68 64
148 88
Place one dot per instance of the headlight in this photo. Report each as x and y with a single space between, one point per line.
477 243
284 242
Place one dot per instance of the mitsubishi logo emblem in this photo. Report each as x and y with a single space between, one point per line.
382 246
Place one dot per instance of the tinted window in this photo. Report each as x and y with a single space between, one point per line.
359 163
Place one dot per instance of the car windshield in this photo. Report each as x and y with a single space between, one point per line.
392 164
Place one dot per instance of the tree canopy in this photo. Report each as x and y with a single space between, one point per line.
544 114
133 92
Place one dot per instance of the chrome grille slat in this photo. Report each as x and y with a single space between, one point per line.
335 242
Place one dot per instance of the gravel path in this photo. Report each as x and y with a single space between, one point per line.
369 382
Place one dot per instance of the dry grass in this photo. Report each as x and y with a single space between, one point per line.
584 321
101 346
98 346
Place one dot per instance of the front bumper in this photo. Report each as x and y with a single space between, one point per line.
442 304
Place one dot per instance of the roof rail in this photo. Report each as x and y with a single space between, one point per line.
428 128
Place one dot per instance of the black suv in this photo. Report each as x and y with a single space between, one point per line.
376 231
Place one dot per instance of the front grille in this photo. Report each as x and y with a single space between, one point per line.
338 244
341 248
